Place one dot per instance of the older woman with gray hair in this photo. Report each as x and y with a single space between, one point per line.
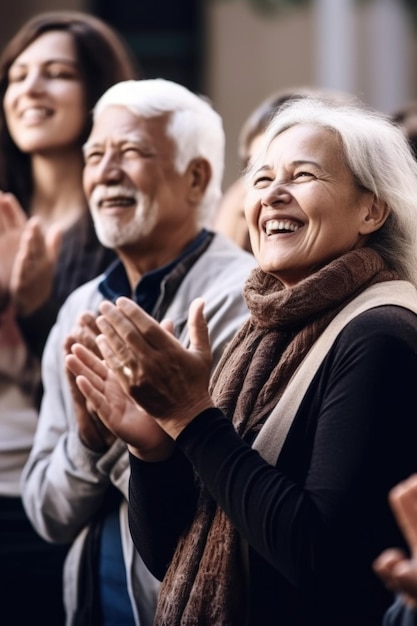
259 496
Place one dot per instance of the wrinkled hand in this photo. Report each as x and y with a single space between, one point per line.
33 269
12 224
397 570
93 433
167 380
115 408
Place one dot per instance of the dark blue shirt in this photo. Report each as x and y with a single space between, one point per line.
149 291
154 293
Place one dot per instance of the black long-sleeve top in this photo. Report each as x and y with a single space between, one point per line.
314 522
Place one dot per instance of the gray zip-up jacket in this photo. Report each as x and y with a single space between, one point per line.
63 483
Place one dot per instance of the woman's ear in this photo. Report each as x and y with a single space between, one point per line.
199 170
375 214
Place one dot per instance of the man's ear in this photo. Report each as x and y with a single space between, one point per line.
199 171
374 216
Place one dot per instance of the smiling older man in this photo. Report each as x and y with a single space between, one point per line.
153 171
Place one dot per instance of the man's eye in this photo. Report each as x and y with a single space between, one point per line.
138 150
92 157
131 151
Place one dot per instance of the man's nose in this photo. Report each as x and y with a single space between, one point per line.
109 170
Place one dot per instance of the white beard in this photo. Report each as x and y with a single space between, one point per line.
114 232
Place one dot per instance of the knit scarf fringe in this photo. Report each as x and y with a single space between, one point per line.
205 585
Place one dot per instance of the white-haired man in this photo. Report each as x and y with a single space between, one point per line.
153 170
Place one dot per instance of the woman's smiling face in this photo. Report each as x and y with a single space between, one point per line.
44 103
303 206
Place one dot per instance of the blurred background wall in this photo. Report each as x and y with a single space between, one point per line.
237 52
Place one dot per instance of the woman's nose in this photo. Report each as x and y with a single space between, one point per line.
34 82
275 193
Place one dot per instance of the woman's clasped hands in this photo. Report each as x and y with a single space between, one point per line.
28 257
147 387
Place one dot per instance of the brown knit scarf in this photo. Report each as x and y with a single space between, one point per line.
204 585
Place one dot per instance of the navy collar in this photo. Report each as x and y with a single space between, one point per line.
148 290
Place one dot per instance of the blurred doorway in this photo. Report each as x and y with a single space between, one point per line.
167 37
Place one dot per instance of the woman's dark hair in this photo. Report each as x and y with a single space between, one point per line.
104 59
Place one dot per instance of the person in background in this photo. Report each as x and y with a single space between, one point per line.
258 494
230 216
153 170
51 73
406 118
396 567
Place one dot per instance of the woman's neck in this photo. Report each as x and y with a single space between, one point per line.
58 197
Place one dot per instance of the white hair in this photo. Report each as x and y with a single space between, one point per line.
194 126
378 154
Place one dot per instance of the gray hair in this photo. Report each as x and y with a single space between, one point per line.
378 154
194 126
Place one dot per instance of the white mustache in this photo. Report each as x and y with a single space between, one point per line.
102 193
